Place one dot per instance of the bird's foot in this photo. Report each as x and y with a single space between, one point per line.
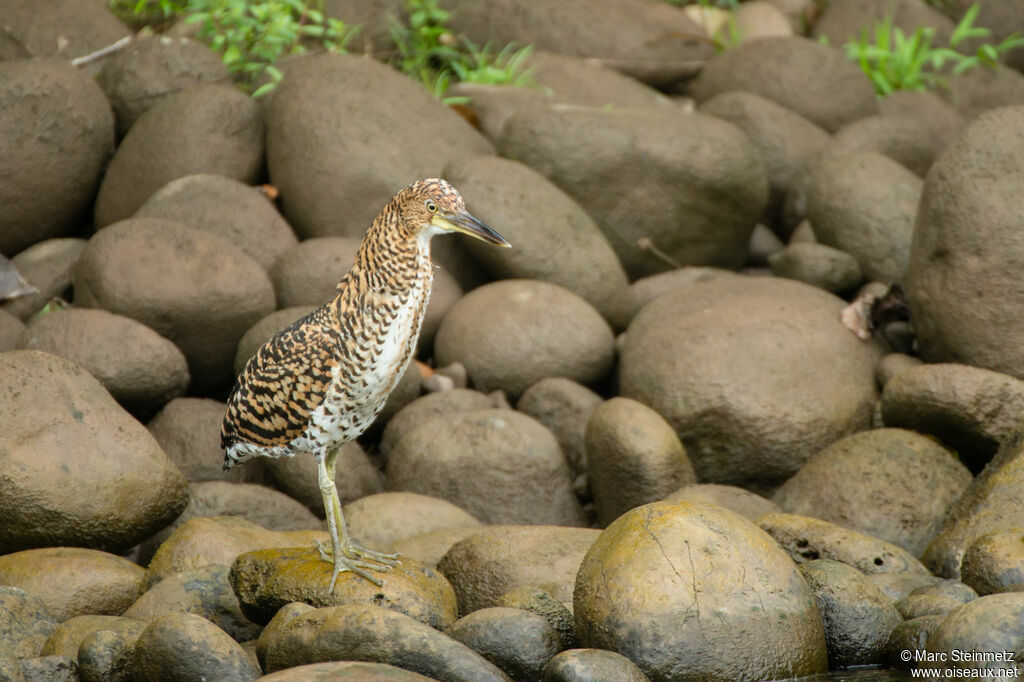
359 560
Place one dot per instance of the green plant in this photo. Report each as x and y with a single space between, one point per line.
251 37
431 53
894 61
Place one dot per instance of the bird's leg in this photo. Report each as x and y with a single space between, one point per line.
344 553
350 547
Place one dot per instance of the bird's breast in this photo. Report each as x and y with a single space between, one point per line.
380 346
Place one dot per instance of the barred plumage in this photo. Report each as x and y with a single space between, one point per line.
321 381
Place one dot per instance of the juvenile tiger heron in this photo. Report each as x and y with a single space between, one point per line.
320 382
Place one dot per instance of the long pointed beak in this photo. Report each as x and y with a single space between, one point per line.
465 223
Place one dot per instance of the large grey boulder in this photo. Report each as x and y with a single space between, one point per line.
326 152
209 128
964 287
814 80
864 203
189 286
666 188
553 239
673 587
629 35
892 484
79 470
227 208
755 375
56 132
557 334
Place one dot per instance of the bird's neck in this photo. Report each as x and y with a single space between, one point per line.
392 257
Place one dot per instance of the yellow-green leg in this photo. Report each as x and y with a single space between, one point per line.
346 554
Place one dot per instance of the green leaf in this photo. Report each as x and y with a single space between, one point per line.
264 89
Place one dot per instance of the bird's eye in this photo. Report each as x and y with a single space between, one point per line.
431 206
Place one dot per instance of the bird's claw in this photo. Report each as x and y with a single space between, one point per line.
357 559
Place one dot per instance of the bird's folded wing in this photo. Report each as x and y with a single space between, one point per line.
281 386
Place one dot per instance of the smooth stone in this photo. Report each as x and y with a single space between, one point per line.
116 490
105 655
910 635
307 274
59 148
763 245
898 585
966 237
519 642
668 189
739 500
583 665
430 547
68 636
893 364
628 302
647 583
25 622
259 504
798 379
807 539
951 588
564 407
818 265
227 208
977 91
954 403
265 580
633 457
858 616
789 144
538 601
845 20
49 669
426 407
901 138
918 605
892 484
864 204
497 559
208 128
345 671
219 540
150 68
929 110
205 592
74 581
626 35
554 241
382 519
816 81
141 369
188 431
297 476
161 273
991 503
994 562
47 266
508 467
370 633
212 654
567 336
993 623
331 92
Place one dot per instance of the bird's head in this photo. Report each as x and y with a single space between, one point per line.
433 206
